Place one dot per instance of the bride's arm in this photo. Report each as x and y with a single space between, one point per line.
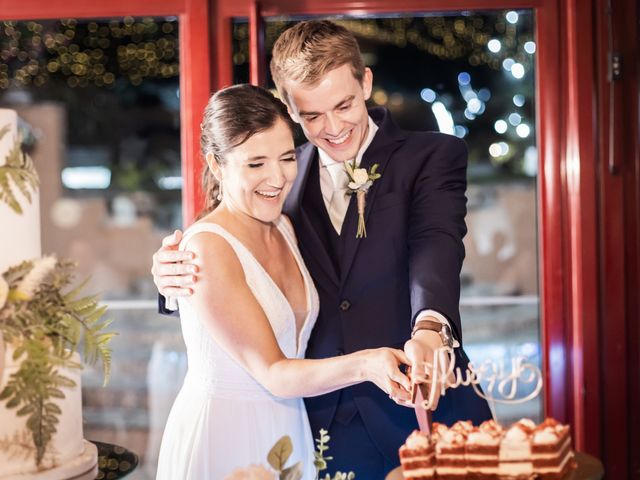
223 300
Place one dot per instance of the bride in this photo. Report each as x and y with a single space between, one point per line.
247 324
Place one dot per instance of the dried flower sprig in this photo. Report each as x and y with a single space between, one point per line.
360 180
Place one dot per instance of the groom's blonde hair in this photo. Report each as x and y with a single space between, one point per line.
308 50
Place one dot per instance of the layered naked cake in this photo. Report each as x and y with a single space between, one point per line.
482 451
417 457
515 451
450 453
551 452
463 427
489 452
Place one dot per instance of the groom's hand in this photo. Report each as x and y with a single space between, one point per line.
171 270
420 351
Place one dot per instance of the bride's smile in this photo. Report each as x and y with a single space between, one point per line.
257 175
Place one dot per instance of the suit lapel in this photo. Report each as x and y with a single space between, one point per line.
386 141
308 238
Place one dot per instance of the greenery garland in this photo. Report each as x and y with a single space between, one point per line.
46 326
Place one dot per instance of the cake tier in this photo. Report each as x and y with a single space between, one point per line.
83 467
17 452
24 241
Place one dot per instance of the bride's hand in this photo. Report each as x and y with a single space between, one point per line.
382 367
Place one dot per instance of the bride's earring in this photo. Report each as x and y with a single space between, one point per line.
219 197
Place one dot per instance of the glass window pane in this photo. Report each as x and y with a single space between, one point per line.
240 45
100 102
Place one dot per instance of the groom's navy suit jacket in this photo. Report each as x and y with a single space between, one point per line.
372 288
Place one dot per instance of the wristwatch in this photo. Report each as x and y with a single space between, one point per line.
442 329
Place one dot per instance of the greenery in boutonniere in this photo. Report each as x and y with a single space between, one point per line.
18 168
360 180
45 324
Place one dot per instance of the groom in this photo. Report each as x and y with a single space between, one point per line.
397 287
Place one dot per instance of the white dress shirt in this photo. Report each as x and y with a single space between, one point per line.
333 185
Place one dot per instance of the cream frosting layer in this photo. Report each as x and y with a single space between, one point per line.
417 440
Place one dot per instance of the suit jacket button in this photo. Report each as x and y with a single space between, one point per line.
345 305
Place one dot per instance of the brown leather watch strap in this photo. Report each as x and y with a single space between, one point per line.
426 325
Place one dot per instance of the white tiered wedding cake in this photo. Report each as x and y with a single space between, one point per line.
67 454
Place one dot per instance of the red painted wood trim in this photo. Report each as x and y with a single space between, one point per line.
257 55
614 241
241 8
195 88
632 234
551 215
580 160
222 59
40 9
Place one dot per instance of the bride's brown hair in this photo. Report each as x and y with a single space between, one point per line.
232 116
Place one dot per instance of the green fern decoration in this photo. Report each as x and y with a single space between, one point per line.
46 329
19 171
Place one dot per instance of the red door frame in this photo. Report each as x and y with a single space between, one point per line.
618 198
568 262
195 72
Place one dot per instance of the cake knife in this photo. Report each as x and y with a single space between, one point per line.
423 415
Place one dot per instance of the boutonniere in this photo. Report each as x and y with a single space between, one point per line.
360 180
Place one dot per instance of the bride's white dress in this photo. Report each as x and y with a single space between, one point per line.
222 419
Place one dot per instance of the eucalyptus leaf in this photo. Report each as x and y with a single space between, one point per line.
280 453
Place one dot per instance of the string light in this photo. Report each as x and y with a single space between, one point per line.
88 53
448 38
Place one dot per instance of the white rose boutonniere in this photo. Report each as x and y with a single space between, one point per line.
360 180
